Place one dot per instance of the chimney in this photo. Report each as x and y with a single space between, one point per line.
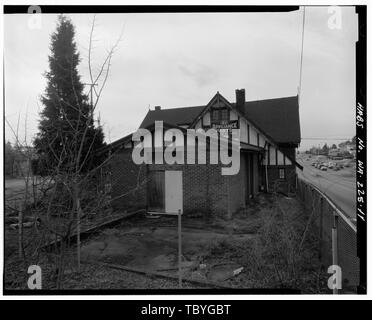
157 108
240 100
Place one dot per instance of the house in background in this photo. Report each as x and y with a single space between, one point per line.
269 136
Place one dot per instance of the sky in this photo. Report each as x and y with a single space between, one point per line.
183 59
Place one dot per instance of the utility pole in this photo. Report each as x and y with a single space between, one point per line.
179 249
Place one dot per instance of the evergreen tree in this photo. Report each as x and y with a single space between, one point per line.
353 140
67 112
325 149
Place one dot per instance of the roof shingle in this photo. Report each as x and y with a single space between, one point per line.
278 118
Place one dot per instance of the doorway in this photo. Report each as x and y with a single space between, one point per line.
165 192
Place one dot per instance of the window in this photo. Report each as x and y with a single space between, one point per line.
215 115
220 115
224 115
281 174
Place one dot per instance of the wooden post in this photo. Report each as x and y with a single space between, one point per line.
20 231
320 227
335 245
179 250
78 232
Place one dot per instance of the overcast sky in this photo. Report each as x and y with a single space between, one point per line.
176 60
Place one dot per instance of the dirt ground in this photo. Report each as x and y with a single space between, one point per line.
214 248
257 248
153 246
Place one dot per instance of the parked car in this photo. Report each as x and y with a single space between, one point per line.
323 168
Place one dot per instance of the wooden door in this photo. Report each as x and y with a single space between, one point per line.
156 191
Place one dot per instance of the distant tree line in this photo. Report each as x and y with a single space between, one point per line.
15 160
324 150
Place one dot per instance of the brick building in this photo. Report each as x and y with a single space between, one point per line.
269 135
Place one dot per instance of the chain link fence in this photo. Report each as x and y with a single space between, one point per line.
337 235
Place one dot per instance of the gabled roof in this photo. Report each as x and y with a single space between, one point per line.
278 118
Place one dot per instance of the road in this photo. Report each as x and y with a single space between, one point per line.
339 186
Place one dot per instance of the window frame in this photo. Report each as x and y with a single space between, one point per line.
219 113
282 170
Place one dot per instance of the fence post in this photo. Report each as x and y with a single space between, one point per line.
320 227
179 250
335 244
20 230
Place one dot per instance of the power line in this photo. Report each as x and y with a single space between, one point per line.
325 138
302 50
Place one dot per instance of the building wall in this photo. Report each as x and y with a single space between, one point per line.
290 151
275 183
204 188
238 186
252 135
128 182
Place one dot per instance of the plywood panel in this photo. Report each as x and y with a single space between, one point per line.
173 191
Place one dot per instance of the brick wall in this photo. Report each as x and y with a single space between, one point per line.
205 189
283 185
128 182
